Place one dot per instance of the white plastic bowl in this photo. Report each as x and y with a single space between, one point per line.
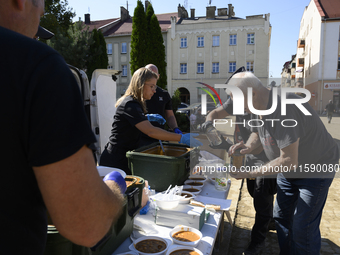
166 204
212 180
128 253
167 243
104 170
191 187
187 199
182 247
198 184
179 228
199 178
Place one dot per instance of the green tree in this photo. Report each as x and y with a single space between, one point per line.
74 46
176 100
147 44
138 38
97 57
157 50
181 118
58 17
149 50
149 13
104 60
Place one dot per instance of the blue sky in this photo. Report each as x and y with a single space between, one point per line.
285 17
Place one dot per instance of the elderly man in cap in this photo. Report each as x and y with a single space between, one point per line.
294 149
47 163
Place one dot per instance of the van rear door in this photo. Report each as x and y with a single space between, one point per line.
103 98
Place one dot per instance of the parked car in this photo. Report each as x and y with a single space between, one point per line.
194 107
182 105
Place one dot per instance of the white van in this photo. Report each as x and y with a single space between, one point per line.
99 102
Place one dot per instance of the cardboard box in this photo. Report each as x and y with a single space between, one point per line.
187 215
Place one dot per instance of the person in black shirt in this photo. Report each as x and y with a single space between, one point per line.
302 153
261 189
160 103
130 121
46 162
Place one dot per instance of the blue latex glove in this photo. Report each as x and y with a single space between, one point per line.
157 118
189 140
145 209
178 131
118 178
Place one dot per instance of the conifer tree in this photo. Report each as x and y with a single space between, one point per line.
138 38
149 50
157 50
104 60
97 57
147 44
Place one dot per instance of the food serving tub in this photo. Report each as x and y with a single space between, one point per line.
119 231
162 169
123 228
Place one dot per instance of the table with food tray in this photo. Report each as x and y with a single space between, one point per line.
211 230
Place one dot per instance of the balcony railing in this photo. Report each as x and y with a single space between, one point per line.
301 43
301 62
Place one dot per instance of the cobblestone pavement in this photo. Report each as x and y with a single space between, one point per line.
237 236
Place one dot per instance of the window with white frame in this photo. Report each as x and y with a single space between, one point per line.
339 63
216 40
109 48
124 70
251 38
183 68
232 39
200 67
232 67
183 42
250 66
216 67
124 47
200 41
110 67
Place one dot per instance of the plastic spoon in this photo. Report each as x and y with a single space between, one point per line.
160 142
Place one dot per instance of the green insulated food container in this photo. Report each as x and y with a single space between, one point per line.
163 168
123 228
119 231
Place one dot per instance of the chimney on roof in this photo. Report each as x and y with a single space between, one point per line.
124 14
192 13
222 11
87 19
211 12
146 4
231 12
182 12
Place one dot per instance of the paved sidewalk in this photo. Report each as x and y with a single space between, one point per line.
237 237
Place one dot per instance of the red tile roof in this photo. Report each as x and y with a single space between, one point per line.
328 8
126 26
99 23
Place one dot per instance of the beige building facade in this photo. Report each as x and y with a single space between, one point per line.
198 49
209 49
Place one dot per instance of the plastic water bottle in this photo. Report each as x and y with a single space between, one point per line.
221 179
214 136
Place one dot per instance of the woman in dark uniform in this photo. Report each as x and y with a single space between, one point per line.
130 120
